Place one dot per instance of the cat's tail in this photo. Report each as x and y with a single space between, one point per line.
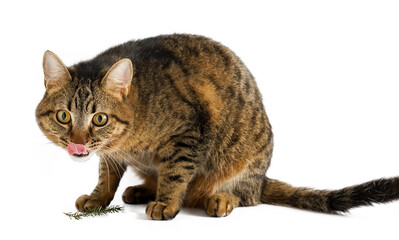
335 201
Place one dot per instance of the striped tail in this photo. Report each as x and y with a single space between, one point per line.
335 201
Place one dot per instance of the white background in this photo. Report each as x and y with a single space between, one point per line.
328 72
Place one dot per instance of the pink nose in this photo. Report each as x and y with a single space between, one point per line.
78 149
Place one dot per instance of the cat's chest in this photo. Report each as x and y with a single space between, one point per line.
142 161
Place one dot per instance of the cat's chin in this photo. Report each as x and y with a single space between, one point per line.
82 158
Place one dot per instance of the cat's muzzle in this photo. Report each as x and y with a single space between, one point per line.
78 152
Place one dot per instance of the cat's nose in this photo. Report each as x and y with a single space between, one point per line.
79 137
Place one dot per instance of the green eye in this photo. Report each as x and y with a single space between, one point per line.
100 119
63 117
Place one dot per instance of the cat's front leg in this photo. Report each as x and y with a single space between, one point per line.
110 174
174 175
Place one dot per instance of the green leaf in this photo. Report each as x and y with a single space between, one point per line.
101 211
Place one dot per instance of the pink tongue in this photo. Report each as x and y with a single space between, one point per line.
78 149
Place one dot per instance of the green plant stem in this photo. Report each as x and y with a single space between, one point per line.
101 211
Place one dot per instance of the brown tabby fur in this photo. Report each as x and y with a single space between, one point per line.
192 124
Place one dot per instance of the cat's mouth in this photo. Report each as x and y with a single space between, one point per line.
79 152
81 155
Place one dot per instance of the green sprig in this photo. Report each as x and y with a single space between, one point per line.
100 211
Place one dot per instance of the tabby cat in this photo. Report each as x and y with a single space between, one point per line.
186 113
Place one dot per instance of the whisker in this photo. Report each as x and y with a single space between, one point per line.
126 157
105 160
122 167
113 165
118 151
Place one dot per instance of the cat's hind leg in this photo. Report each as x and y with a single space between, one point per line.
244 192
221 204
243 189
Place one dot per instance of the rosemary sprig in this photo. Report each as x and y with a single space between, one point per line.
100 211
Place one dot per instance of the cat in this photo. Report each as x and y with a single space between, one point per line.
186 113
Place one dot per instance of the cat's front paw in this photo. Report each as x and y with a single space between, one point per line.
86 203
162 211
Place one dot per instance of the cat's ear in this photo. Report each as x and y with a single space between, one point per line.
56 74
118 78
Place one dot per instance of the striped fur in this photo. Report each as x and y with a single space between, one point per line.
191 122
327 201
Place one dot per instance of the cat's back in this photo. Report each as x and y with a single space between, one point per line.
201 70
176 54
193 69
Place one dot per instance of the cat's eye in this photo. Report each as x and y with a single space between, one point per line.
63 117
100 119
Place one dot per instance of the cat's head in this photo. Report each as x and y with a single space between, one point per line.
84 115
